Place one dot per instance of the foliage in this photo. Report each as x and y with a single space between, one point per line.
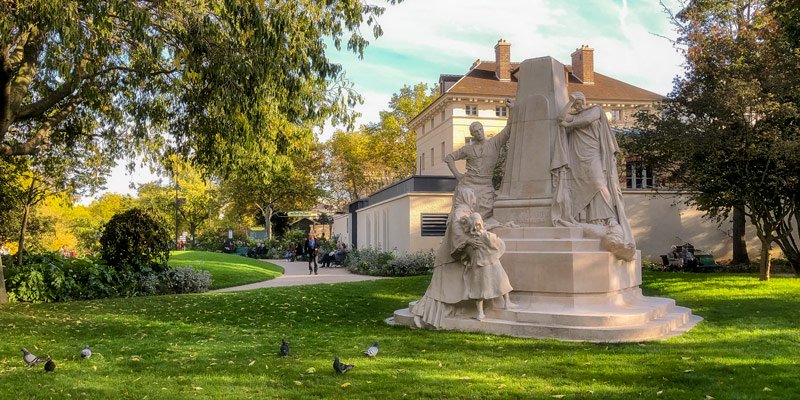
185 280
109 76
378 154
729 134
227 270
48 277
385 263
724 356
86 222
135 240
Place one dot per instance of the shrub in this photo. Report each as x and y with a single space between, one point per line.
384 263
135 240
48 277
185 280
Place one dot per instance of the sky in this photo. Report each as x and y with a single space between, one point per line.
425 38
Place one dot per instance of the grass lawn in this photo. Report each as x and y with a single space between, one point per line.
226 269
223 345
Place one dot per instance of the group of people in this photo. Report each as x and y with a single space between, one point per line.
681 259
311 250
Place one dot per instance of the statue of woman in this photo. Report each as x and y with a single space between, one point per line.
447 284
485 277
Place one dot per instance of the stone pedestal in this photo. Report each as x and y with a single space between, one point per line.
566 287
526 192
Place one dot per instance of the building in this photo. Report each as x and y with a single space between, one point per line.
410 215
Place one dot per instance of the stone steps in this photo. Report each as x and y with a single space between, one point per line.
588 315
539 233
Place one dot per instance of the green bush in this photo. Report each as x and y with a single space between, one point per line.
137 241
47 277
185 280
384 263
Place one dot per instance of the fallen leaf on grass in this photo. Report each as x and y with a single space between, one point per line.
345 385
709 397
197 388
502 385
658 393
251 363
298 383
311 370
558 396
686 358
766 389
689 370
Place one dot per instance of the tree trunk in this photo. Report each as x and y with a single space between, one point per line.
765 266
740 255
192 230
3 293
22 229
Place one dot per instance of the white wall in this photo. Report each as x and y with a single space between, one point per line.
384 225
341 227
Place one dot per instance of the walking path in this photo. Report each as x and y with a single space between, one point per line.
296 274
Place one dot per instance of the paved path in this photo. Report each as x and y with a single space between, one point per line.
296 274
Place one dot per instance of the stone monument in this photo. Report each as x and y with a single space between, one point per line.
569 254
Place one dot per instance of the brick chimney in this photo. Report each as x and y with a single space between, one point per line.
583 64
502 60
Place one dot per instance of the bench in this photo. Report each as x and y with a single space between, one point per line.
242 251
706 263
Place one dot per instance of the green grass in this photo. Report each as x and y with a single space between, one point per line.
223 345
227 270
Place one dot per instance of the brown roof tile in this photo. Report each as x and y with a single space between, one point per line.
481 80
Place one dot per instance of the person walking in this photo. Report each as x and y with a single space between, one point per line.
311 248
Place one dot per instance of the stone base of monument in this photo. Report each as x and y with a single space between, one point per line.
566 287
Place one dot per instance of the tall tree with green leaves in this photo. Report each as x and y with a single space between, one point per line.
729 134
380 153
118 74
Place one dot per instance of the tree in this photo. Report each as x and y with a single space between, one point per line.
293 185
728 135
117 74
378 154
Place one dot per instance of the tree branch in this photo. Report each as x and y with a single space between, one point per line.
42 136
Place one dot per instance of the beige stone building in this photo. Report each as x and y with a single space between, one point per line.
410 215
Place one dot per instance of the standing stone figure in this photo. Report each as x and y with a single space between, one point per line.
481 157
447 283
584 167
485 277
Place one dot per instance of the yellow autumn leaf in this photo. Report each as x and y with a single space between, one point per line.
766 389
298 383
311 370
251 363
658 393
558 396
345 385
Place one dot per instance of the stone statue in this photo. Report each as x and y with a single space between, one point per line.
485 277
586 185
481 157
447 285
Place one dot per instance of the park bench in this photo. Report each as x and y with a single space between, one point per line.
242 251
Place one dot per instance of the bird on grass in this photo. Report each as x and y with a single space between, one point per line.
31 359
284 348
339 367
49 366
86 352
372 351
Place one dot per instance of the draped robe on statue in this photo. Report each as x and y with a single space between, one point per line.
447 285
587 159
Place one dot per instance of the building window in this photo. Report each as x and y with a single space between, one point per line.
442 117
433 157
471 109
433 224
431 123
501 111
616 115
638 176
442 152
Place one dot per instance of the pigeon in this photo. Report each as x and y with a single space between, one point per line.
339 367
31 359
49 366
86 352
284 348
372 351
